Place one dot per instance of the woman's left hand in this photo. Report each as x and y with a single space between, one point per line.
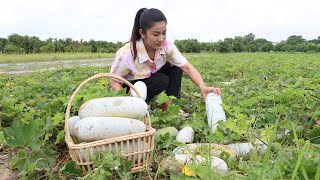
206 90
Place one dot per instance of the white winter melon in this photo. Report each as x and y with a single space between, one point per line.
72 123
97 128
142 89
129 107
185 135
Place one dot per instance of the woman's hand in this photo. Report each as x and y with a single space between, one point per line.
197 79
206 90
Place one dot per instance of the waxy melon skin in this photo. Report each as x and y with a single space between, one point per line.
128 107
98 128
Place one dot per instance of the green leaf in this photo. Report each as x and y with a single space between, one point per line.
70 169
30 161
60 137
57 118
116 163
20 135
20 161
163 98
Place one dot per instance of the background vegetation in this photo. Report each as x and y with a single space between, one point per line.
18 44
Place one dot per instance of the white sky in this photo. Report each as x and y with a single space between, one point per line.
205 20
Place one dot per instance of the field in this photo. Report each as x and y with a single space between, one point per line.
5 58
270 97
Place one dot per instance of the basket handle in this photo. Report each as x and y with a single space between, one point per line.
97 76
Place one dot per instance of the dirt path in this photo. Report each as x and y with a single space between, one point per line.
28 67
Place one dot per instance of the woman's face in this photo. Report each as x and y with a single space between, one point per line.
155 36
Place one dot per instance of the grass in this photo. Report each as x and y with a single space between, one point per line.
15 58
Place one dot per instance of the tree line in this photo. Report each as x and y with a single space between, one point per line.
18 44
249 43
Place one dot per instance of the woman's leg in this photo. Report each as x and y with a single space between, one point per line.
175 76
168 78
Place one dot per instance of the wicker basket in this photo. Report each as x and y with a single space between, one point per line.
138 148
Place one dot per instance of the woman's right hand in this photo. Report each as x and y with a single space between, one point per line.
206 90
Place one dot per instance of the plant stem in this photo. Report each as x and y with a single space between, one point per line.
306 145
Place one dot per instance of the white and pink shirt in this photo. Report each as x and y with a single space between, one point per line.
142 67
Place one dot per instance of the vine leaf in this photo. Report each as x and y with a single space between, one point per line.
20 135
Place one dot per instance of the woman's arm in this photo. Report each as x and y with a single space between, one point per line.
115 85
197 79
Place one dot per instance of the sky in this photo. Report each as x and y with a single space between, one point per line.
204 20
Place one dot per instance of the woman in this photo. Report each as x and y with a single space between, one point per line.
150 58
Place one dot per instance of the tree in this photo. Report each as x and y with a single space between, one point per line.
267 47
224 47
249 38
48 48
3 43
252 47
34 44
280 47
188 45
16 39
238 44
84 48
70 48
12 49
58 45
312 47
208 46
295 40
260 42
93 45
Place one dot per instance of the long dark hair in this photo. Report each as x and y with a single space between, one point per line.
145 18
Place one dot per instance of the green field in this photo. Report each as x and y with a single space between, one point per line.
9 58
264 95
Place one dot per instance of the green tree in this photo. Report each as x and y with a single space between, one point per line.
13 49
312 47
48 48
34 44
281 46
3 43
188 46
70 48
295 40
260 42
238 44
93 45
249 38
267 47
58 45
252 47
208 46
224 47
16 39
84 48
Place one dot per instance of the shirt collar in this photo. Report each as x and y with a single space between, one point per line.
142 52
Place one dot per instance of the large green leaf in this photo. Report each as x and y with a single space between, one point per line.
20 135
71 169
